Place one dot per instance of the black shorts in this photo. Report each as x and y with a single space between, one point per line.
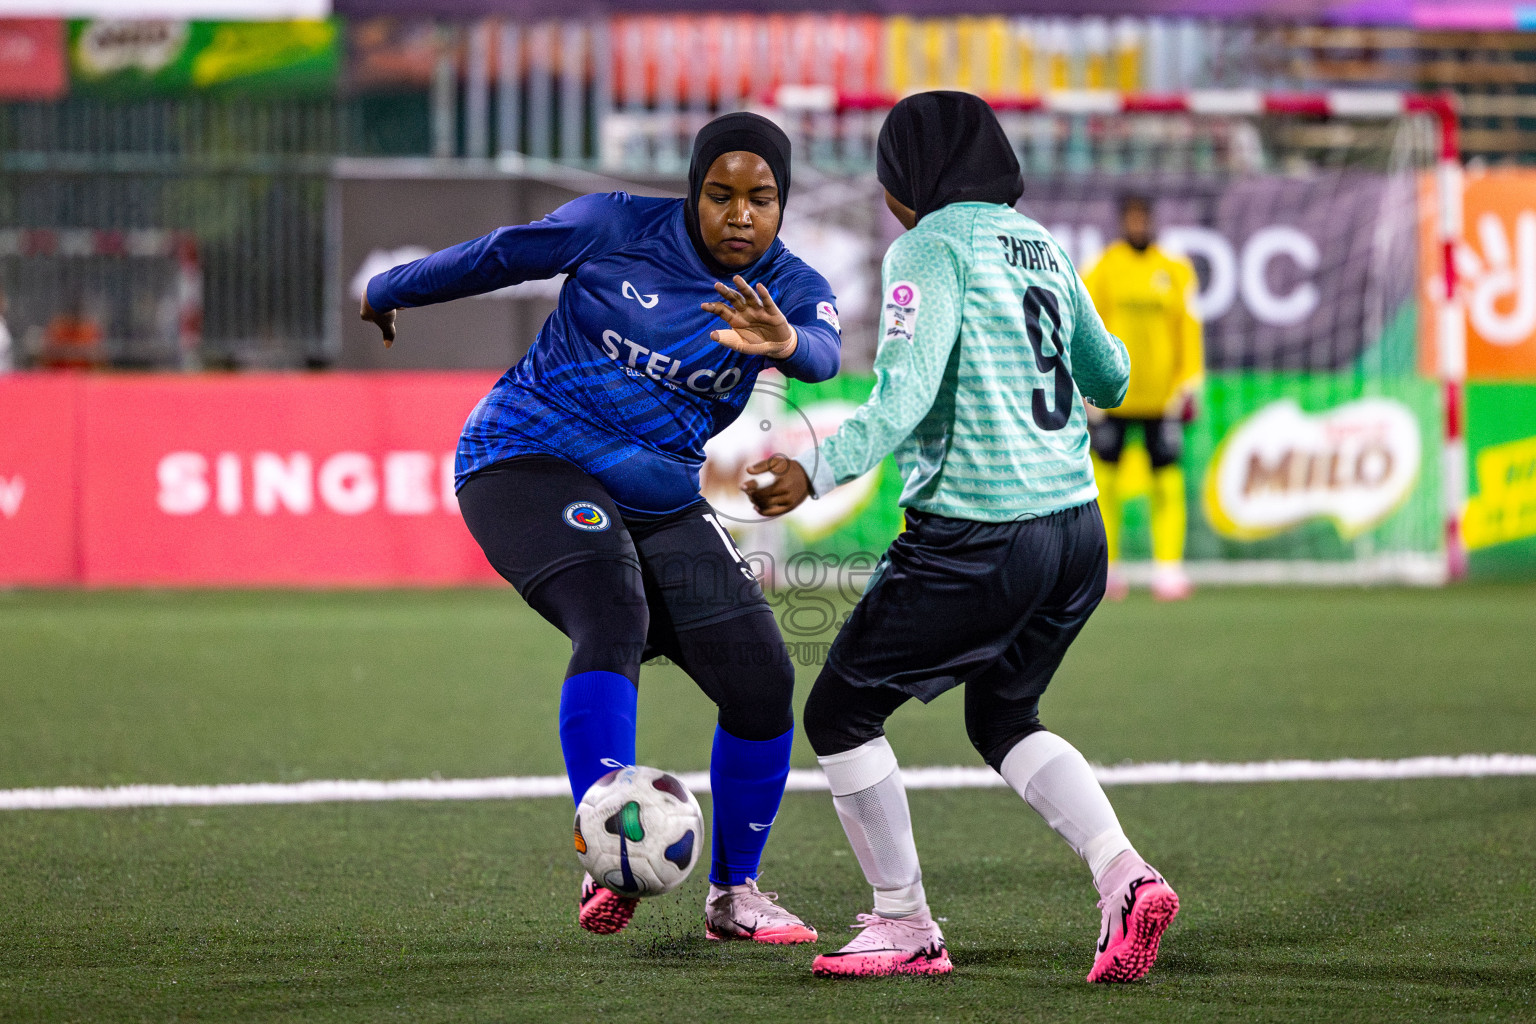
1164 439
535 515
994 605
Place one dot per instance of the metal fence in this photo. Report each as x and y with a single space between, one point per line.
243 182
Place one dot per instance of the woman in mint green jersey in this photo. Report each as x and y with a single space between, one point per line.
989 348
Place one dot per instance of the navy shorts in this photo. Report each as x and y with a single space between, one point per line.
992 605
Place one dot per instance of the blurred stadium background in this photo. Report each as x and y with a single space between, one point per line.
230 553
210 196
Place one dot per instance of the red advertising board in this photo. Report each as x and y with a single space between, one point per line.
32 59
270 479
39 449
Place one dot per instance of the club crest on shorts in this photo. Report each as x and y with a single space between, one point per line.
583 515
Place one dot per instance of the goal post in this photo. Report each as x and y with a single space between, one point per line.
1323 228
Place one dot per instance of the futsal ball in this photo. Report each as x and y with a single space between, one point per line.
639 831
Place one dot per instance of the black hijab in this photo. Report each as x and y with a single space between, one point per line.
938 148
751 133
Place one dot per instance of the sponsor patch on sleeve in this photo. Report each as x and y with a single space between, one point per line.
828 312
902 300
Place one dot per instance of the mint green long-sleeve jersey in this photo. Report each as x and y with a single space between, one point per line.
989 344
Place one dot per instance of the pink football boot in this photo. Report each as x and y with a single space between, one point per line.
603 911
886 946
746 912
1135 917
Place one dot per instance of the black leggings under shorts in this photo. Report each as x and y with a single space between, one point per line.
625 590
1164 439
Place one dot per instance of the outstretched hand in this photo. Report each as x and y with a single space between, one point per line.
757 326
789 488
384 320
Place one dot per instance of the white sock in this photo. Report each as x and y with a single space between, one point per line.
871 802
1121 869
1054 778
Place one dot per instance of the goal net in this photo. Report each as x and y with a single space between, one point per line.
1327 443
78 297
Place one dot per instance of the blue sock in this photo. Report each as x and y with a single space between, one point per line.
747 779
597 726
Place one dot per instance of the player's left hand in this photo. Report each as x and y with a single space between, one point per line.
757 326
385 321
790 486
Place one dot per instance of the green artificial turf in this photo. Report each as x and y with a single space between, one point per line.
1302 901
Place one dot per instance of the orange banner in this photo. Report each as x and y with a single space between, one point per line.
1496 275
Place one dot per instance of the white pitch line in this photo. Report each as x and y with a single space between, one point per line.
800 780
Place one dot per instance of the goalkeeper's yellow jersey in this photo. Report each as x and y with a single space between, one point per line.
1147 301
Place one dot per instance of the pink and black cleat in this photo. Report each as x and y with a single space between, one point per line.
746 912
603 911
887 946
1135 917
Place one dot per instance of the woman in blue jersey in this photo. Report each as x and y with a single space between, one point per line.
579 473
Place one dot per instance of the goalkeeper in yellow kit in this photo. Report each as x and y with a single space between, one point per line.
1146 297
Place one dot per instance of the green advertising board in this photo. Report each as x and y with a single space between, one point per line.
1327 467
869 518
1501 514
1331 473
1282 467
128 57
1279 466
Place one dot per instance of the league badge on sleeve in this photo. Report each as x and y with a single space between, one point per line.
901 304
584 515
828 312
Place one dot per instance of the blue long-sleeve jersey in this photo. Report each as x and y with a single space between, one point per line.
623 379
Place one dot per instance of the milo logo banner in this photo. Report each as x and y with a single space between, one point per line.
1352 465
1315 466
